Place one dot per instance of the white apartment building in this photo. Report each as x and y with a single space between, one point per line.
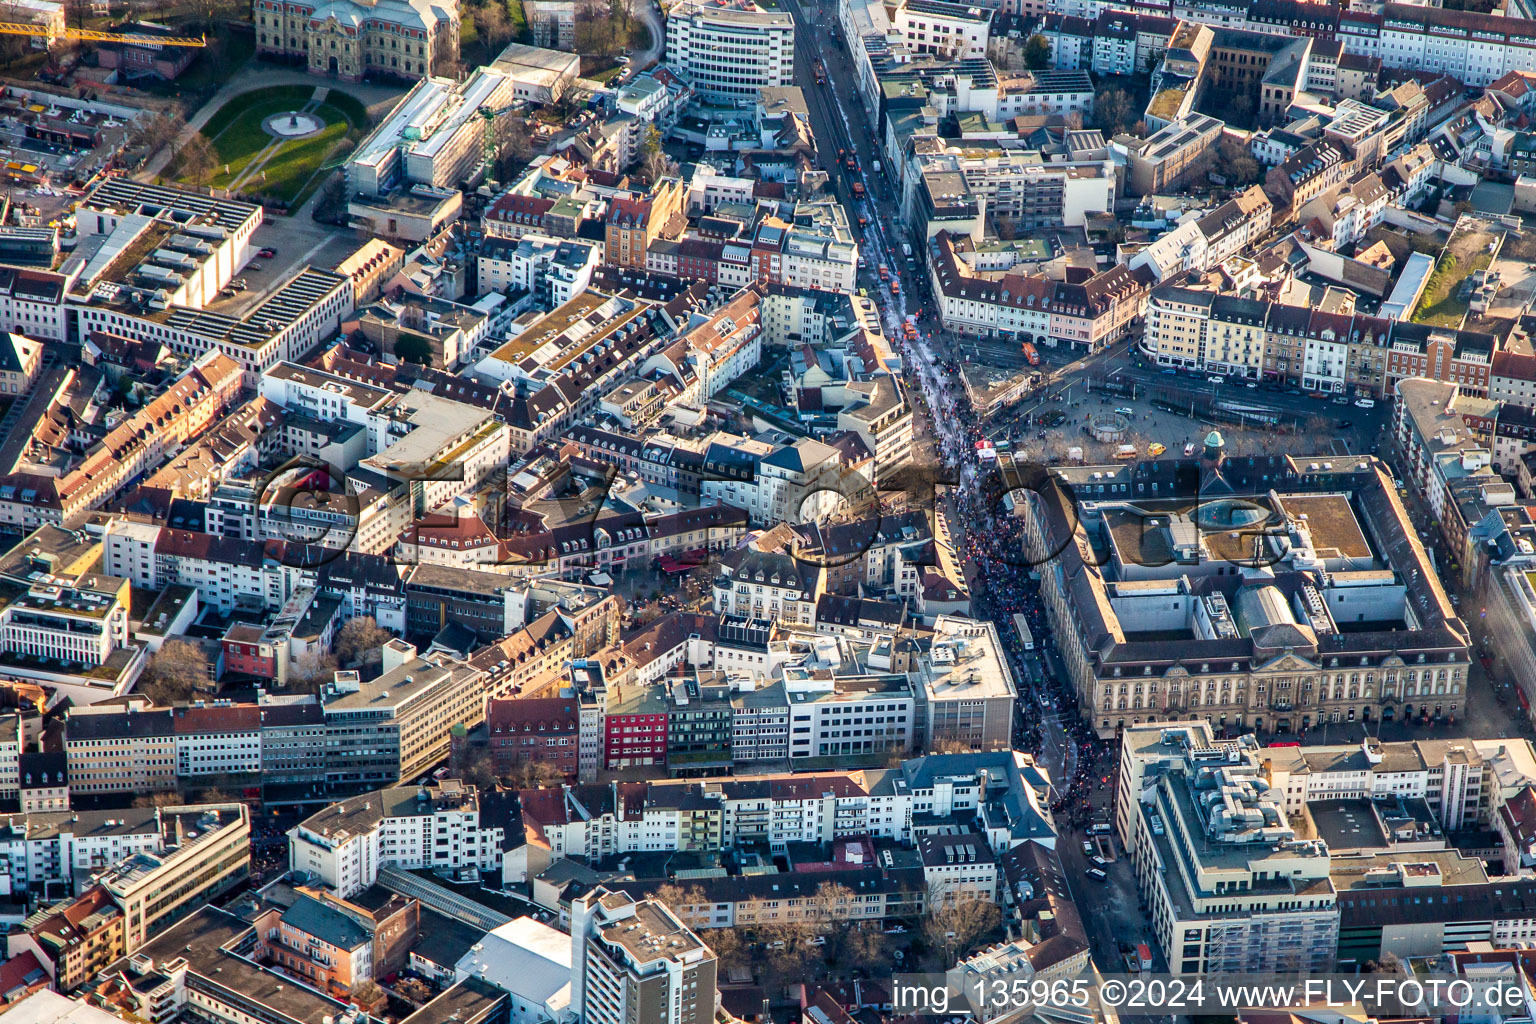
13 738
555 270
731 49
1021 185
958 868
810 260
436 826
952 31
32 303
781 484
633 961
818 808
770 586
50 846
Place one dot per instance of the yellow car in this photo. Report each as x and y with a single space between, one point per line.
1155 449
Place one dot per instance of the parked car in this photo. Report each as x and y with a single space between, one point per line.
1213 379
266 253
1096 874
1088 850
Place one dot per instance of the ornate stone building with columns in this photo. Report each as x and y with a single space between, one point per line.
353 40
1272 594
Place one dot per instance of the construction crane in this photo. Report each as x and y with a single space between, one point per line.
10 28
488 118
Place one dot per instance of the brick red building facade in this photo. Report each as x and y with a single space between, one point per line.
544 729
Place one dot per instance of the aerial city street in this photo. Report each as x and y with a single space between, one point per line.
767 512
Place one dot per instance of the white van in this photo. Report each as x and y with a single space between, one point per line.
1365 403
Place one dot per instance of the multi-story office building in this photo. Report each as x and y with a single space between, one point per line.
292 743
1172 154
205 851
218 738
121 751
760 724
1230 885
443 825
943 29
395 727
731 50
433 137
967 694
636 961
699 726
1174 621
838 707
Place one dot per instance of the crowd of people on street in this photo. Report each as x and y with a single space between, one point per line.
1004 583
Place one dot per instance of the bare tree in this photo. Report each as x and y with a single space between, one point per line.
728 947
196 160
209 12
477 768
158 132
359 640
163 799
598 37
174 672
77 11
623 13
688 902
954 927
494 25
313 670
534 775
13 47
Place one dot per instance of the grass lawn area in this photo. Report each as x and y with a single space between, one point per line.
607 74
518 19
1440 306
237 136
